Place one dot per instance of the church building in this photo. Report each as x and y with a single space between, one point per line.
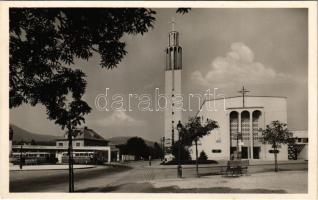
240 119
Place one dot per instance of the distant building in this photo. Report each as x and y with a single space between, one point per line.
87 145
300 148
83 137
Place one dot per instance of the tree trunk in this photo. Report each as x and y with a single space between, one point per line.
196 157
275 155
70 160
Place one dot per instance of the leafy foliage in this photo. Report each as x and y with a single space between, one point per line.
183 10
136 146
44 43
276 133
156 151
195 129
184 152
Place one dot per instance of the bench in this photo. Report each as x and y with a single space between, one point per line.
235 168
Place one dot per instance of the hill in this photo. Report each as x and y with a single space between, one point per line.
123 139
20 134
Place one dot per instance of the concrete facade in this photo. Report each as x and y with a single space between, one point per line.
173 92
232 117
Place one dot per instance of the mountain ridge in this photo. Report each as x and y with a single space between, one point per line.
20 134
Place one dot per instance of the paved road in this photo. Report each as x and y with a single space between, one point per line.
137 178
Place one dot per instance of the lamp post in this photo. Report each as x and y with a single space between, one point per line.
163 148
179 128
21 156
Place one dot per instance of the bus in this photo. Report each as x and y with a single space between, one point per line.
85 157
33 158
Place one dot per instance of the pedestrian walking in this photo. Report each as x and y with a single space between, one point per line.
149 160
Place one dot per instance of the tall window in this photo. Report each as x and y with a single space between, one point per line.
245 126
233 125
256 120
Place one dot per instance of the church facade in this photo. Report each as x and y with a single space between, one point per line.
240 119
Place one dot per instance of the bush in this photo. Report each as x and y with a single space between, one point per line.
203 156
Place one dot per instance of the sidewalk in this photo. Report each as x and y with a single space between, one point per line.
224 163
47 167
269 182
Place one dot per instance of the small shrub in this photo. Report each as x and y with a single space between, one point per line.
203 156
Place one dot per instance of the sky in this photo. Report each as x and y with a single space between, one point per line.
266 50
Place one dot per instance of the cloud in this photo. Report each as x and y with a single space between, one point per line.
238 67
120 118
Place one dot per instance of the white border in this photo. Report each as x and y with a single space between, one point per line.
312 92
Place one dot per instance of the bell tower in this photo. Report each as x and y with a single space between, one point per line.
172 86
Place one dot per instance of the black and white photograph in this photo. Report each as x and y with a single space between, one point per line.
160 99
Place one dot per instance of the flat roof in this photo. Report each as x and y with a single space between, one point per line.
263 96
43 147
245 107
231 97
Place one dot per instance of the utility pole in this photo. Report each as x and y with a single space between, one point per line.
179 169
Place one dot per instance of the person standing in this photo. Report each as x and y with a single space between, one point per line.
149 160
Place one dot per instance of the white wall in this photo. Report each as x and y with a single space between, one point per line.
168 111
272 108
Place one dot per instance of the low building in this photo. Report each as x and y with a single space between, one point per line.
88 146
299 150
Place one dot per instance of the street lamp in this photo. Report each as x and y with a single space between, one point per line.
163 148
21 156
179 128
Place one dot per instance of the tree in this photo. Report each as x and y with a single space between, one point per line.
184 152
276 133
157 151
33 142
194 130
203 156
44 43
136 146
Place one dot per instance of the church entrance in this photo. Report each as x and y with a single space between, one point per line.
256 151
244 152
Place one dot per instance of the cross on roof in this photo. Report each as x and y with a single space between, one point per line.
173 23
243 91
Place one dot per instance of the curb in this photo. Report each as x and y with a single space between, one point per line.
42 169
